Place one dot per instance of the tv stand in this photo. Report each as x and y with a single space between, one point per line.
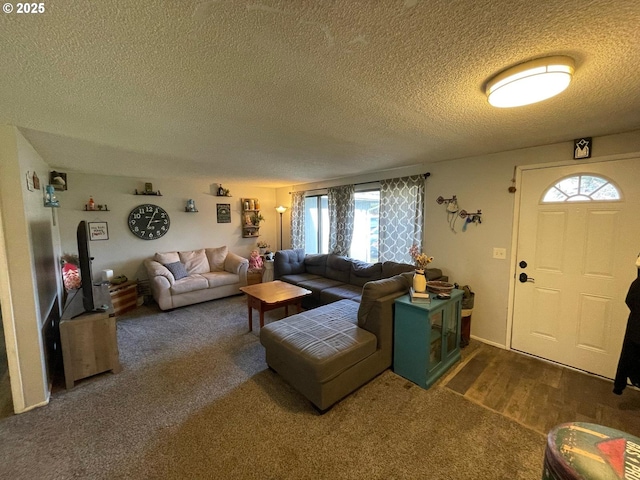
88 339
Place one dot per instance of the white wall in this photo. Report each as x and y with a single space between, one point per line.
30 281
123 252
480 183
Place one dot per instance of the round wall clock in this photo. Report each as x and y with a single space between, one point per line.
149 222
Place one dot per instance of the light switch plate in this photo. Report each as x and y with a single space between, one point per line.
500 253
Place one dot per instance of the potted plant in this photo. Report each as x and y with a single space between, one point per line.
256 219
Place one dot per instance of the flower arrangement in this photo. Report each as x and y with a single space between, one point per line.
422 260
262 244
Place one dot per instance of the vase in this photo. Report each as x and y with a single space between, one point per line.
419 281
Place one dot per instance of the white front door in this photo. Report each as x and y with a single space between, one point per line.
579 256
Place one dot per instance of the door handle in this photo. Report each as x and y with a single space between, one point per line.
524 278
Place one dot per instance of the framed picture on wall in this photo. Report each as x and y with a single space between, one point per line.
224 212
58 180
98 231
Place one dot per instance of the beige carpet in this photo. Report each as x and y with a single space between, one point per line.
195 400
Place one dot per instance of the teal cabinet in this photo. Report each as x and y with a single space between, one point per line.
426 338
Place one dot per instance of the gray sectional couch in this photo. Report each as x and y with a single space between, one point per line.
328 352
331 277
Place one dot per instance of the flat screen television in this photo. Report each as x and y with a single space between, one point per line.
84 255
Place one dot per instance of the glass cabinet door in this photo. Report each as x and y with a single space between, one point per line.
451 328
435 347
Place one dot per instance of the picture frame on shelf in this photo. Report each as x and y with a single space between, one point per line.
223 211
98 231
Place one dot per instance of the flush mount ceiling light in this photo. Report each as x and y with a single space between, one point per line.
530 82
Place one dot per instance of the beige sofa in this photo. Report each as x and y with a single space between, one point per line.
184 278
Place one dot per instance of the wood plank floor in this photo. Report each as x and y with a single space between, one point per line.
539 394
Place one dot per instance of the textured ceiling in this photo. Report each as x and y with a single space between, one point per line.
284 92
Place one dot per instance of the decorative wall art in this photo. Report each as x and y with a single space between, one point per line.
98 231
58 180
224 212
582 148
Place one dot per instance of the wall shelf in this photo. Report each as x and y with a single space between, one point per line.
156 194
250 210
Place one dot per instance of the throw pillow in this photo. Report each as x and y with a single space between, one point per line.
195 261
167 257
177 269
217 257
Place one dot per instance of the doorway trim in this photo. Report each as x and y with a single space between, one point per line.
8 322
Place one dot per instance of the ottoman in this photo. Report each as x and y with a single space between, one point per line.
314 350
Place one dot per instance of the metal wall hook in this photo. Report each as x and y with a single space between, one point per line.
474 216
440 200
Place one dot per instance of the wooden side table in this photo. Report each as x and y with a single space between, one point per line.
124 296
89 346
89 341
254 277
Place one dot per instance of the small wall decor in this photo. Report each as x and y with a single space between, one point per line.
191 206
470 218
452 210
582 148
224 212
58 180
148 190
36 181
98 231
50 199
222 192
29 178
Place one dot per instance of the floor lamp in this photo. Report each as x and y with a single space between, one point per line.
281 210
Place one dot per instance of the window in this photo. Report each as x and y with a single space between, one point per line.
582 188
316 224
364 245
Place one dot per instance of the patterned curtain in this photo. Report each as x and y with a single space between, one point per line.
342 206
401 217
297 220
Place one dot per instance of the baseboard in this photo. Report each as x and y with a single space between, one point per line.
37 405
489 342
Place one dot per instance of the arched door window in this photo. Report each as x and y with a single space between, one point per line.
582 188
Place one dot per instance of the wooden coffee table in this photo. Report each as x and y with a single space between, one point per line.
268 296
